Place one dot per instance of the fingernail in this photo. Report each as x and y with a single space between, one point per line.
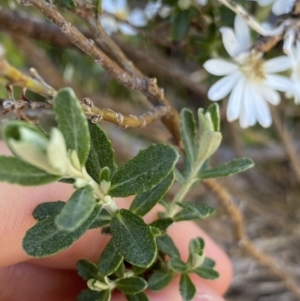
207 296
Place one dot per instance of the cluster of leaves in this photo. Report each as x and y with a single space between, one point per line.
138 255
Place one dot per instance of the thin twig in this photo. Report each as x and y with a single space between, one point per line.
148 86
95 114
110 47
158 65
125 121
239 10
49 33
287 143
225 200
15 77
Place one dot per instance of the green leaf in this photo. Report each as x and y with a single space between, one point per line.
45 239
109 260
144 171
206 273
77 210
137 297
196 252
180 25
103 219
187 167
131 285
160 279
192 211
214 111
72 123
196 245
138 270
120 271
230 168
162 224
178 176
208 263
167 246
177 265
105 174
205 122
144 202
104 296
187 133
67 180
43 210
187 288
133 238
69 3
86 269
101 153
209 143
88 295
11 130
155 231
16 171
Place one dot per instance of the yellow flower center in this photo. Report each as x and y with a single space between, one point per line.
253 68
122 15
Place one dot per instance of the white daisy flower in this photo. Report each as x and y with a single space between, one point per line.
119 8
249 78
201 2
279 7
152 9
185 4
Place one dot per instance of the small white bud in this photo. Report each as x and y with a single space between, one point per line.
105 186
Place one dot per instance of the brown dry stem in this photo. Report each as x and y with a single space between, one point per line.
24 26
288 144
110 47
15 77
225 200
147 86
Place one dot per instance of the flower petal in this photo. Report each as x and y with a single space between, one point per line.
223 86
127 29
278 82
281 7
109 24
270 95
242 33
109 6
165 11
152 9
277 64
247 114
264 2
202 2
235 100
229 41
121 5
262 110
219 67
137 18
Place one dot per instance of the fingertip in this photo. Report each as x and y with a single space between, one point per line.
17 204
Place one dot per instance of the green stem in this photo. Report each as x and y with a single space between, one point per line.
111 207
183 190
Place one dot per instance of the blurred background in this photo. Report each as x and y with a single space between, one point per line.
173 49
